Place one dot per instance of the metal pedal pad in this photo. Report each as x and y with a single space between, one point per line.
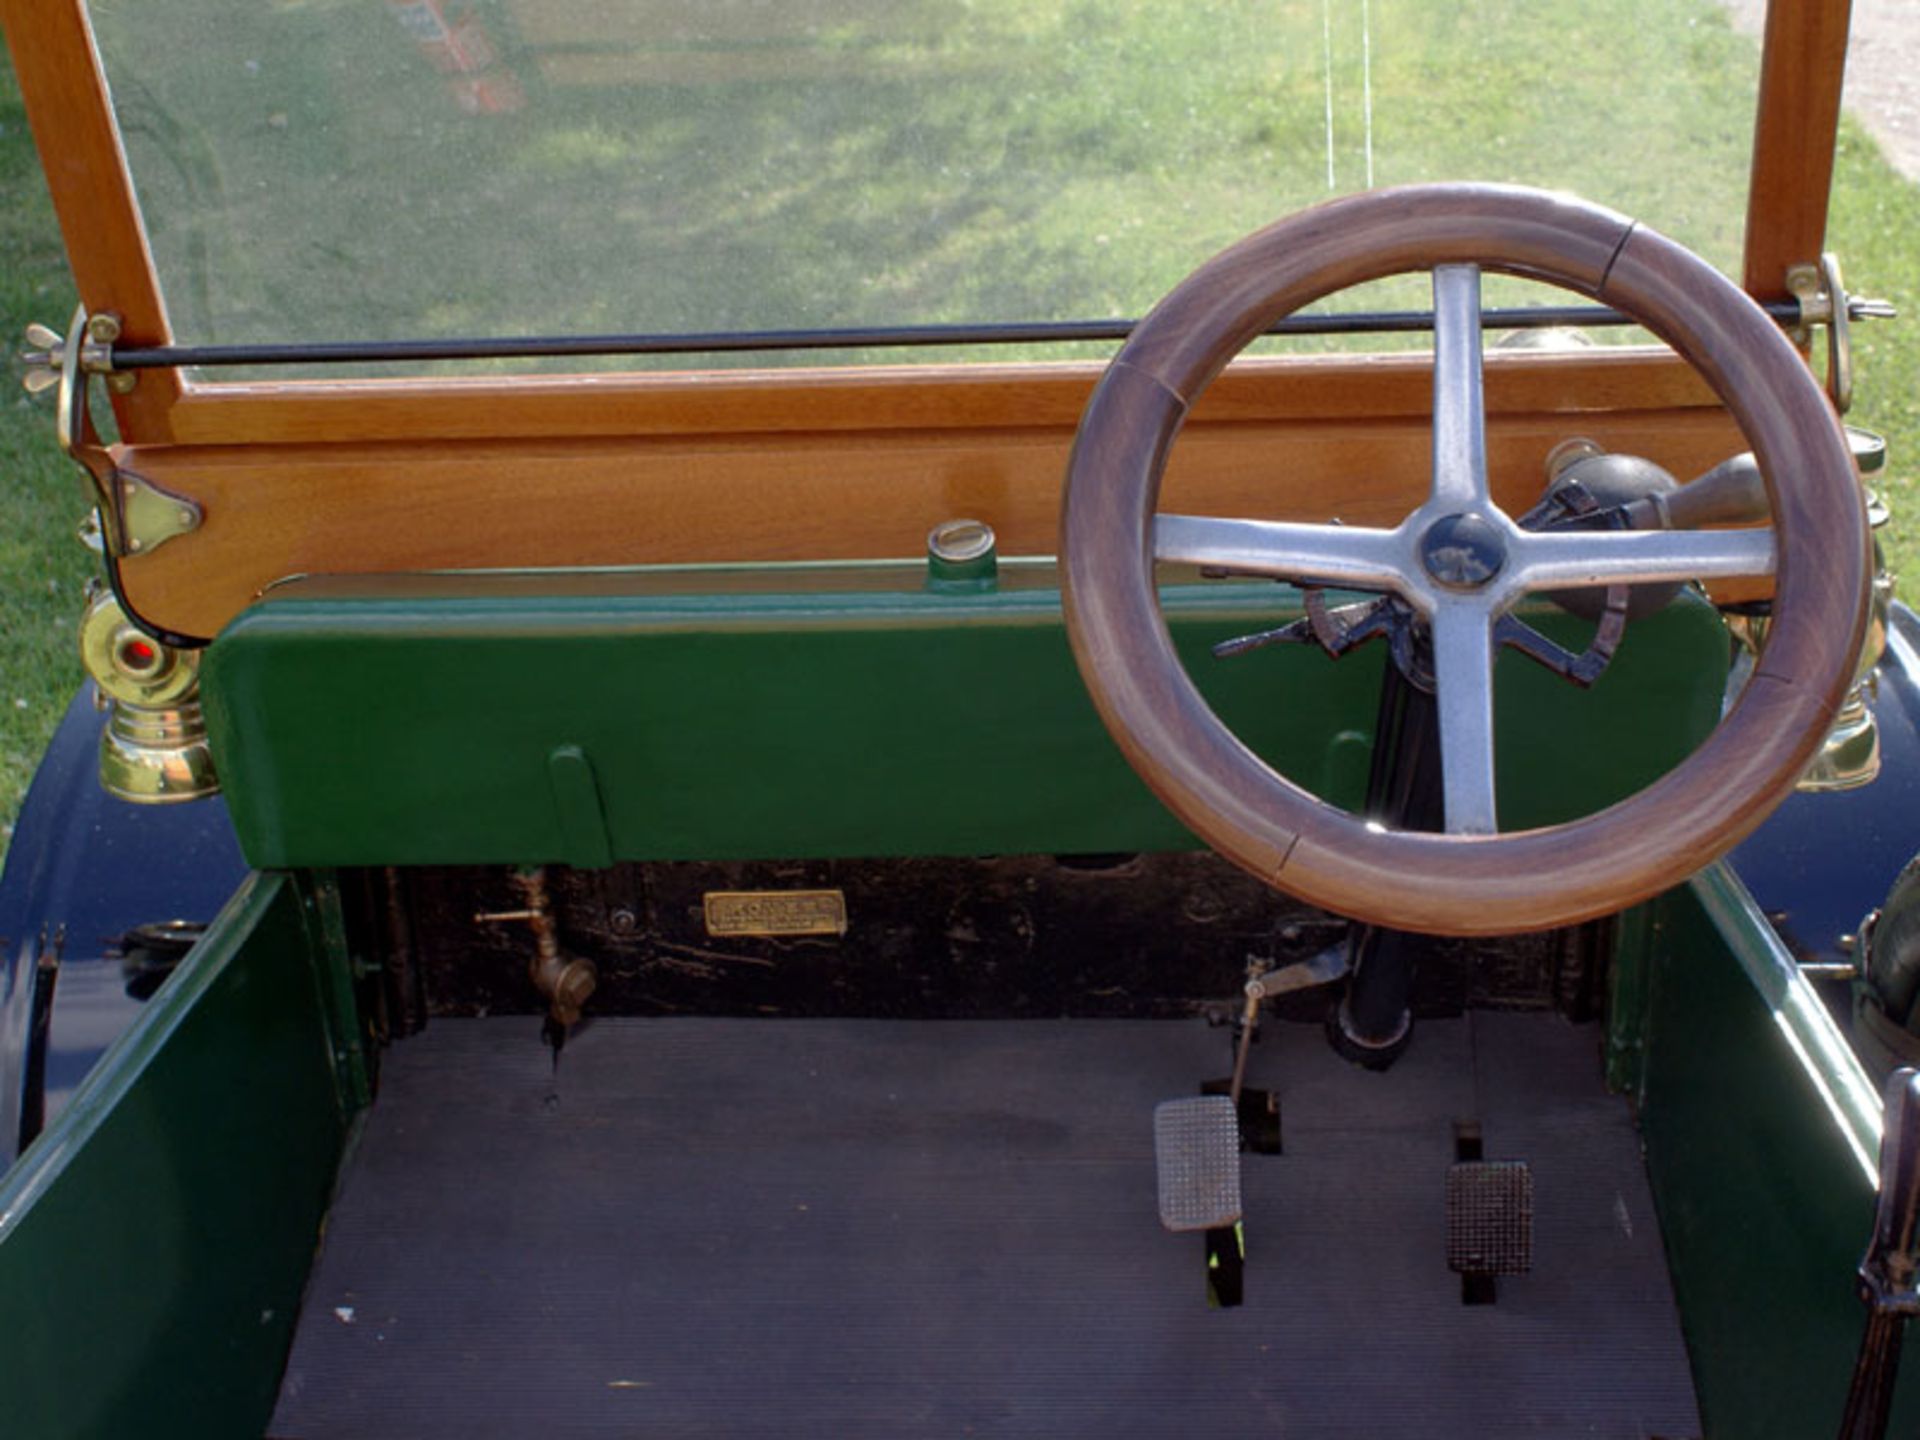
1196 1144
1489 1221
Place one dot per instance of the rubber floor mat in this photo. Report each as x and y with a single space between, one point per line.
874 1228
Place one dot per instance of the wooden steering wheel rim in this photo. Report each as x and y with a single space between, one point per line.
1463 884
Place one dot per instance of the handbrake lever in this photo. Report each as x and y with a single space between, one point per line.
1891 1265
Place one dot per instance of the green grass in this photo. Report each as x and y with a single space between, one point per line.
995 159
42 564
1874 227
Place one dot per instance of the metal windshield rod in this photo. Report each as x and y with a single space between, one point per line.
878 337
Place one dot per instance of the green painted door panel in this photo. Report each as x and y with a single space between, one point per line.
1760 1131
828 711
154 1241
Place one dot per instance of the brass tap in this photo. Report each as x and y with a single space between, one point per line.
566 980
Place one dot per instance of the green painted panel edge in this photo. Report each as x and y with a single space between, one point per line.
155 1240
1827 1061
1629 1001
579 811
335 971
1758 1123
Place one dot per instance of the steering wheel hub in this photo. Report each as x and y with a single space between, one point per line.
1463 552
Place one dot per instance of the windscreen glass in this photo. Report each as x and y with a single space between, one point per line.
412 169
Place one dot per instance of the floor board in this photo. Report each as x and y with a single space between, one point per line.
760 1228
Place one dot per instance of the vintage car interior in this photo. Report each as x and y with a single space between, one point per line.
865 872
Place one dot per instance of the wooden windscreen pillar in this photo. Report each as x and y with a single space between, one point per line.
1794 131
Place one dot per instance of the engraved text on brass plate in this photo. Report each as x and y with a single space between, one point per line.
776 912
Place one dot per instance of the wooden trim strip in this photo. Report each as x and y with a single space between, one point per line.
276 511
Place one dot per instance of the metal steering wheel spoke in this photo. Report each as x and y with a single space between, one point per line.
1463 651
1460 549
1459 404
1572 559
1341 556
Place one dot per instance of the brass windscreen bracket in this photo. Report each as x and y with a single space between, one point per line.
45 359
136 516
1824 301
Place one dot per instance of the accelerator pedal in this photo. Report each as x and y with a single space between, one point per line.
1489 1224
1196 1145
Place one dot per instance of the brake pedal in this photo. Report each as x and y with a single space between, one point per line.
1196 1145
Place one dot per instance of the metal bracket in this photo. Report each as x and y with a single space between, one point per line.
136 516
1824 301
47 356
150 516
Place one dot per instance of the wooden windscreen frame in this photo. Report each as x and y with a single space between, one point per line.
359 475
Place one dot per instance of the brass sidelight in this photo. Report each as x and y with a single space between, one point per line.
154 750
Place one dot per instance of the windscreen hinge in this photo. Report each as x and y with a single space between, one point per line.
1824 301
136 516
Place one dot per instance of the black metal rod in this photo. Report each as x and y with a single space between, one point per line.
1371 1025
1066 332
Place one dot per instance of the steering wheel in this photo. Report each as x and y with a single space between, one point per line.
1462 563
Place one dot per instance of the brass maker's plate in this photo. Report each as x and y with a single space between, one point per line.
776 912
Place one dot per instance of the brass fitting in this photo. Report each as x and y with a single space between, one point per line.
566 980
154 750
